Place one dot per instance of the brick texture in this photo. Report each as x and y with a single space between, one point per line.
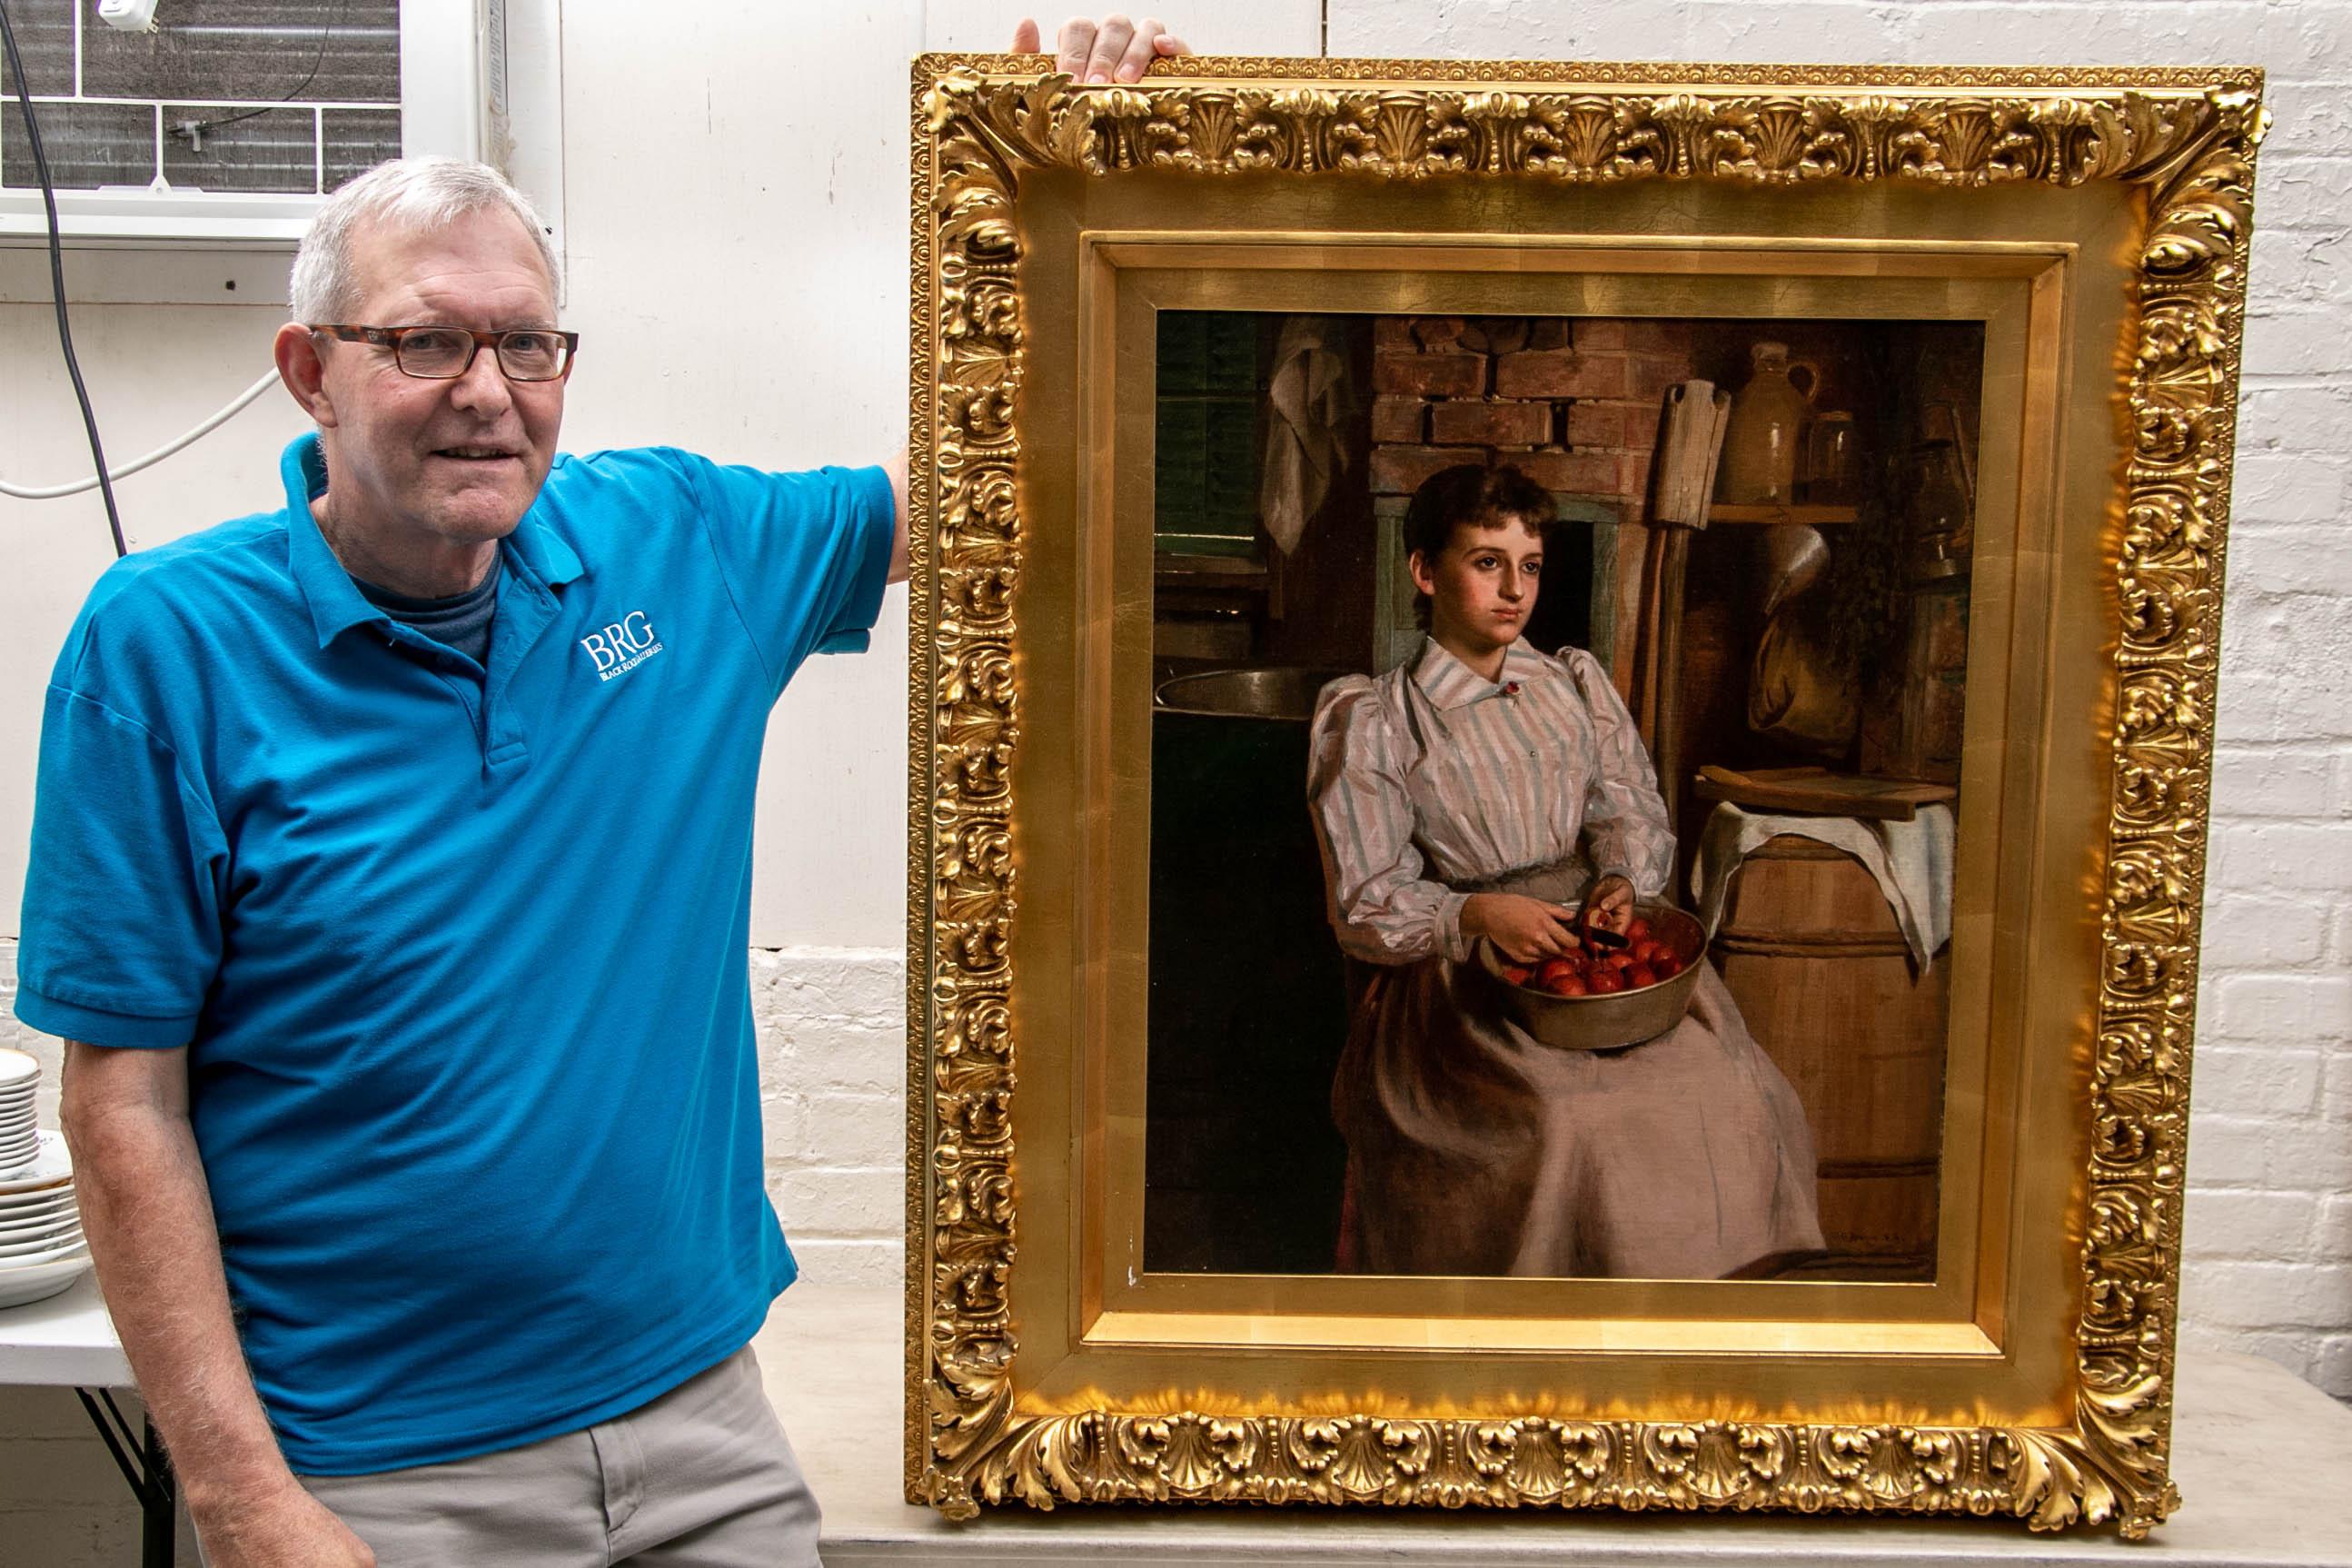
1400 420
1573 403
1560 373
1494 424
1446 373
1400 470
1599 424
1576 473
1647 377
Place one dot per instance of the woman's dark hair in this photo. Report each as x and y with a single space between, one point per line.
1470 495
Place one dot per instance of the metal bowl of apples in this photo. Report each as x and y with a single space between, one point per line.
1598 997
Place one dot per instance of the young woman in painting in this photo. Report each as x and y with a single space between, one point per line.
1485 789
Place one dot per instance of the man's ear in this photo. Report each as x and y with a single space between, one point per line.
303 369
1422 577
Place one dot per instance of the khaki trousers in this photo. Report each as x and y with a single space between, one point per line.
701 1477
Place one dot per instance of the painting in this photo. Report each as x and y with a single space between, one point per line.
1343 760
1559 717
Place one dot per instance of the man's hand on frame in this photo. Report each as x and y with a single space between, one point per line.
1113 49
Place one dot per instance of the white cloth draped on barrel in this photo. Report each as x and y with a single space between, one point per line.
1911 861
1473 1148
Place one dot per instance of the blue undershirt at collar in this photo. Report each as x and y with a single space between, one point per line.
538 555
459 621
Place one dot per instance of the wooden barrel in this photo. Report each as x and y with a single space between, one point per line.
1812 953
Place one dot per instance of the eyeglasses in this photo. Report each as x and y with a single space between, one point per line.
444 353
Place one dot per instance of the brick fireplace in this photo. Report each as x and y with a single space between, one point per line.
1575 404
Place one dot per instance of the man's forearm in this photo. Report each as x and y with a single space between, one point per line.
148 1212
897 469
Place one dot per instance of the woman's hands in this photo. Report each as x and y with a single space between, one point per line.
1527 931
1608 903
1524 930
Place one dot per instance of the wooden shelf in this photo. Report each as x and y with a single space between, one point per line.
1230 572
1814 516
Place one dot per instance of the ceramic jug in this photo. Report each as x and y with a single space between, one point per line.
1759 466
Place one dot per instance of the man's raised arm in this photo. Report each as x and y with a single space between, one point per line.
1113 49
897 469
148 1216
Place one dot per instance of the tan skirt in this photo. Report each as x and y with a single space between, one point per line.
1473 1148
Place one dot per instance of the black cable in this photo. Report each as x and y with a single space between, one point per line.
192 129
57 278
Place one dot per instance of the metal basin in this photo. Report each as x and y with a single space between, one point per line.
1284 692
1623 1018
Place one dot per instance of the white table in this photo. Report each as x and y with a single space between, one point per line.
2264 1461
67 1341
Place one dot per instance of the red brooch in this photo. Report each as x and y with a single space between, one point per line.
1510 689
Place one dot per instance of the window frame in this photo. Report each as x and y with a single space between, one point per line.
446 106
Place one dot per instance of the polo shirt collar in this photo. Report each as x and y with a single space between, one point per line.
336 604
541 551
1447 682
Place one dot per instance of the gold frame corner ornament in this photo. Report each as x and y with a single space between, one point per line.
2185 140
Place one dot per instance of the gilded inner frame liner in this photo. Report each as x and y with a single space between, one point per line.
2183 140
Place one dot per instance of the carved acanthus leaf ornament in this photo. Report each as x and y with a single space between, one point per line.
2187 145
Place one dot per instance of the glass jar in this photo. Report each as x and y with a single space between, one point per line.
1833 461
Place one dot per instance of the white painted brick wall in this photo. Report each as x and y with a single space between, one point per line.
2269 1239
833 1077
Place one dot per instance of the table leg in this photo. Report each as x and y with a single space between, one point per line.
148 1468
159 1524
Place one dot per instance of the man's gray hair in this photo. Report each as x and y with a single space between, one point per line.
407 193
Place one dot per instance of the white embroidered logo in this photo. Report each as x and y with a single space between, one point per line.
623 645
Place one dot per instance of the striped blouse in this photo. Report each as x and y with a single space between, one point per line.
1431 782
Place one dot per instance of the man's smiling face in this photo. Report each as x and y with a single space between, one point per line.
459 460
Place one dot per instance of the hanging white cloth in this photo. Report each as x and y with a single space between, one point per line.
1310 400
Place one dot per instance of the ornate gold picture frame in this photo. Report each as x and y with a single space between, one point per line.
2096 223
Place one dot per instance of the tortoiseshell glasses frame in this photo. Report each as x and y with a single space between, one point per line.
444 353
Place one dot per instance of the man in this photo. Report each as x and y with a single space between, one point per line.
390 885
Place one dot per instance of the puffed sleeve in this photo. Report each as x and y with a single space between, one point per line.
1382 903
1625 827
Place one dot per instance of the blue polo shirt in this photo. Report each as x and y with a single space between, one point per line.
458 950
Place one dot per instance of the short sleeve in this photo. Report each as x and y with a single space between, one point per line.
123 890
805 555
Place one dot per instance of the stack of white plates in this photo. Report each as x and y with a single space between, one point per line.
41 1248
19 1076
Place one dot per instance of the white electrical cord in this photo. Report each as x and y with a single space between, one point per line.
52 492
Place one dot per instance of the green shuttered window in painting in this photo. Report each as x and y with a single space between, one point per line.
1210 385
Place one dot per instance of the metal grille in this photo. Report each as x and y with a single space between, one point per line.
284 96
